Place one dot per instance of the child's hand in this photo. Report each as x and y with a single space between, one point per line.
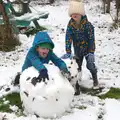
90 57
65 73
66 56
43 75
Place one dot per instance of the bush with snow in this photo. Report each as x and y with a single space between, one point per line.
45 99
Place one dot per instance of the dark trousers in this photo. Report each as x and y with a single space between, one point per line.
80 54
90 66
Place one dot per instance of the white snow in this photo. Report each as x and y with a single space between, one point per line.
107 60
112 108
75 75
6 102
14 108
32 16
53 97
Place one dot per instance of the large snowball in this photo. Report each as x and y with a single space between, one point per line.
76 75
45 99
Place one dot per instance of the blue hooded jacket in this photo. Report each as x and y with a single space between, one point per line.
34 59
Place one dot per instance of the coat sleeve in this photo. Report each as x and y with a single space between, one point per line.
91 38
35 60
58 62
68 40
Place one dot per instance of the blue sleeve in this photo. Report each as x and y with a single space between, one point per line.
68 39
58 62
91 38
35 60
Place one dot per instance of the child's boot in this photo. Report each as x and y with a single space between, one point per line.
95 79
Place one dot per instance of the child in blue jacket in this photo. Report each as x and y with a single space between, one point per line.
41 53
81 32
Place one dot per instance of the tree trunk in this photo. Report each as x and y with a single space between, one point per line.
2 10
118 9
108 6
8 40
104 4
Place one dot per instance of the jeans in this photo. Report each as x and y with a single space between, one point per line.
81 53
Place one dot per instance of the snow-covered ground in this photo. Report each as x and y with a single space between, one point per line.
84 107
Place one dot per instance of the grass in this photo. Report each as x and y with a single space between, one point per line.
90 91
34 30
112 93
14 99
82 107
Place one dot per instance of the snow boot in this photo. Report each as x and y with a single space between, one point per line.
95 79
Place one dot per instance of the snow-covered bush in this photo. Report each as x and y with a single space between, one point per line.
45 99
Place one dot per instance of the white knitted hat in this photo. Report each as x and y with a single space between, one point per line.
76 6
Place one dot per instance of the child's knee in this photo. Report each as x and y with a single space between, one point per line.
91 67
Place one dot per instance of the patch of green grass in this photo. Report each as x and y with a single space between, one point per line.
90 91
82 107
14 99
34 30
4 108
112 93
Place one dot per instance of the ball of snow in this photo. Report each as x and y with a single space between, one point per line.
75 73
45 99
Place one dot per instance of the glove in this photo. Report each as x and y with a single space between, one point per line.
43 75
65 73
90 57
66 56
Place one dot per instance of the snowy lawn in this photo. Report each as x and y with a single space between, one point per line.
84 106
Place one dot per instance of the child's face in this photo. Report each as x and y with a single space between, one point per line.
43 52
76 17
